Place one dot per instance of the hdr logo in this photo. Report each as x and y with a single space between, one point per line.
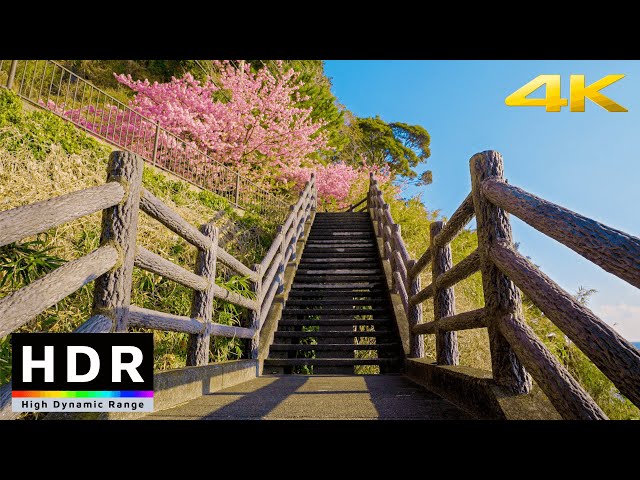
92 372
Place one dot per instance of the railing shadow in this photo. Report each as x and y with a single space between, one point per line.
255 404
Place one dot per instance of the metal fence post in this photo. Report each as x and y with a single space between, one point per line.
12 73
155 144
237 188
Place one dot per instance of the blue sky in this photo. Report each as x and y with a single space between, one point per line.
588 162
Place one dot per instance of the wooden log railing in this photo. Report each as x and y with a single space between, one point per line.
111 265
513 344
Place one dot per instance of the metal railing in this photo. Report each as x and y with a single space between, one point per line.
51 86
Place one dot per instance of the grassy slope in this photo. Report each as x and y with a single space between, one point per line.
41 156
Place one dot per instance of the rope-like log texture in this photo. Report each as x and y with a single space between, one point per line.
202 303
268 300
255 314
23 305
416 342
460 321
459 271
400 268
224 294
96 324
402 292
143 317
153 206
500 294
564 392
21 222
400 247
421 263
350 209
112 292
270 275
422 295
618 359
615 251
444 302
275 246
156 264
6 412
456 223
235 264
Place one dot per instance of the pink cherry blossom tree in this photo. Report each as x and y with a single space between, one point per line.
251 121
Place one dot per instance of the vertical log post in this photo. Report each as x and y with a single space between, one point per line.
254 315
282 251
416 342
112 293
500 294
392 257
293 240
379 213
444 302
314 191
202 306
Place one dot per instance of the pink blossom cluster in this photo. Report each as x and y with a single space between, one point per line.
335 180
247 121
250 122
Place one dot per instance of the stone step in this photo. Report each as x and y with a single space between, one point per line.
339 249
331 265
334 334
377 284
334 322
367 272
336 279
313 262
332 311
345 256
346 301
330 362
339 294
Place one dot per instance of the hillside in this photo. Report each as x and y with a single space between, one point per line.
42 156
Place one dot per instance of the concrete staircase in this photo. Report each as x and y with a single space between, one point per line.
338 316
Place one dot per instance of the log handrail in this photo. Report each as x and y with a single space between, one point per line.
111 265
514 345
355 205
613 250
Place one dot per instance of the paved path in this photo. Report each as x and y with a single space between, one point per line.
317 397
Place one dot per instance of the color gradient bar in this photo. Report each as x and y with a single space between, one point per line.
82 394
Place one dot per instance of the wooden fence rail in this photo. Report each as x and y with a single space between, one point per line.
505 272
111 265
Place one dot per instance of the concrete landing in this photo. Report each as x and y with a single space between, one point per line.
317 397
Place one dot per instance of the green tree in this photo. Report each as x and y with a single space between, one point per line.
317 86
399 145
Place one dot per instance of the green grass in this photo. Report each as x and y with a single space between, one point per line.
42 156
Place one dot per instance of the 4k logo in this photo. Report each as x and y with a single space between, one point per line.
553 102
